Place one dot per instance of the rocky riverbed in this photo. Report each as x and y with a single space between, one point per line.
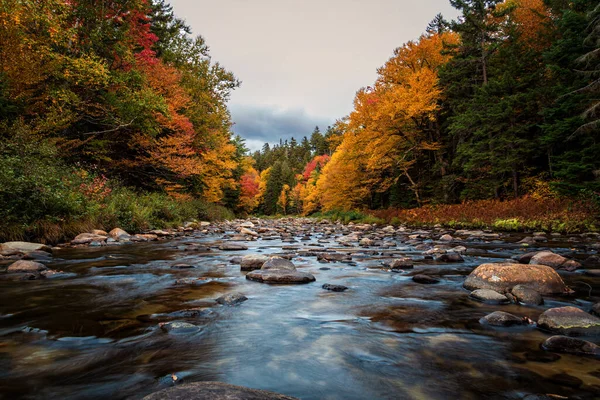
305 308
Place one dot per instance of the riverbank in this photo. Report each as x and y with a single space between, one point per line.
525 214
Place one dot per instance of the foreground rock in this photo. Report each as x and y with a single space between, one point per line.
501 318
214 391
489 296
252 262
504 276
279 270
232 299
569 321
565 344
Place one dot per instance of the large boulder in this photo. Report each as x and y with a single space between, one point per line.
214 391
569 321
565 344
23 266
252 262
24 247
504 276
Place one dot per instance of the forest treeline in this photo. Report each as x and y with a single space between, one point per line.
500 103
113 114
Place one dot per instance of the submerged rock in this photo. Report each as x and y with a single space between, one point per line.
425 279
232 299
569 321
504 276
179 327
565 344
489 296
501 318
232 247
214 391
450 258
334 288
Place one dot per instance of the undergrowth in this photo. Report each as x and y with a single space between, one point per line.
528 213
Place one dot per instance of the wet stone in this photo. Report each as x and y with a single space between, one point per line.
489 296
526 295
232 247
450 258
252 262
541 356
501 318
569 321
24 266
278 263
334 288
182 266
565 344
232 299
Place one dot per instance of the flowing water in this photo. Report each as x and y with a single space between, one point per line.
94 333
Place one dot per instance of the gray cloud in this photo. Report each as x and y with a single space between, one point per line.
259 125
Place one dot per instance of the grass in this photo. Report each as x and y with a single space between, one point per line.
349 216
567 215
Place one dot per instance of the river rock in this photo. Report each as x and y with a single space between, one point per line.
87 238
214 391
401 263
526 295
569 321
24 247
446 238
246 224
450 258
280 276
99 232
232 247
278 263
333 257
425 279
501 318
24 266
565 344
246 231
504 276
252 262
232 299
525 258
554 260
144 237
334 288
119 234
489 296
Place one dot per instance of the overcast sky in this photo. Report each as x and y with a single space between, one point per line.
302 61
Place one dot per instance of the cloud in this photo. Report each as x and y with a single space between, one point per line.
264 124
